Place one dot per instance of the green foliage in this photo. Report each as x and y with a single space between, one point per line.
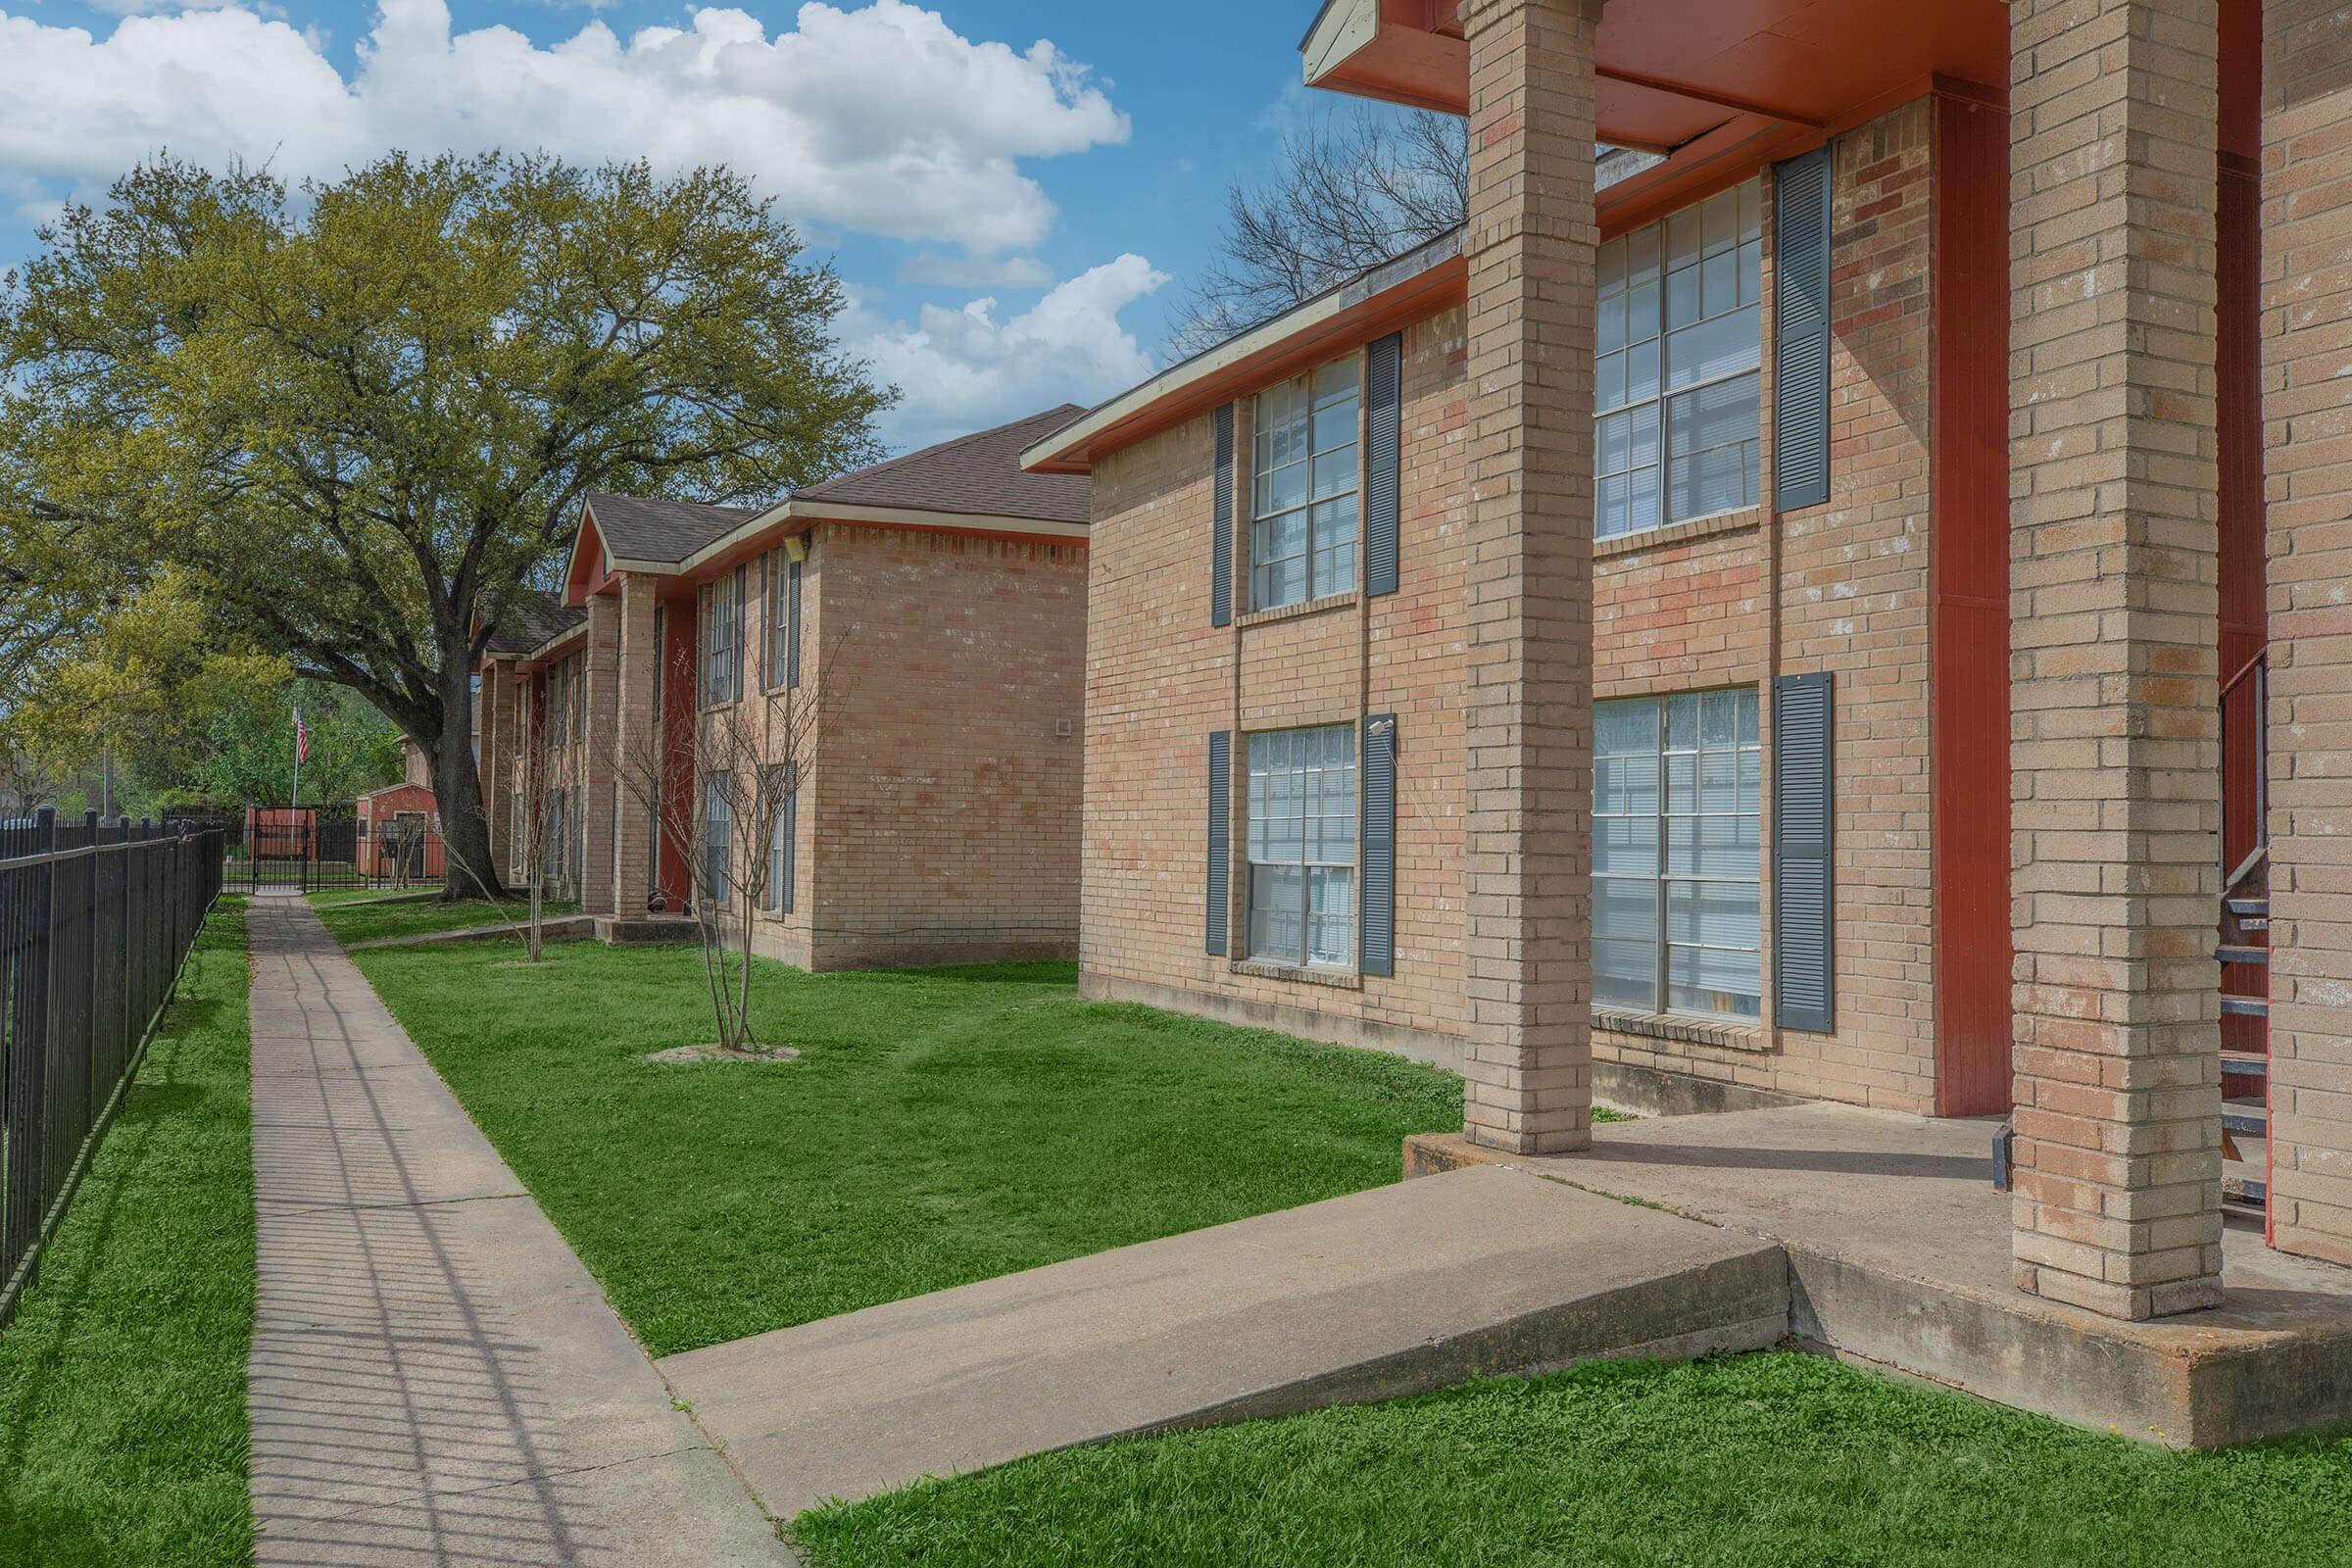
358 416
940 1126
247 754
189 725
123 1436
1759 1461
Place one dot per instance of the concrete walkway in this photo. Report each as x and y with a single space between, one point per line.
434 1378
1398 1290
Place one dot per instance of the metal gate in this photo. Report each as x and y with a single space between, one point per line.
306 852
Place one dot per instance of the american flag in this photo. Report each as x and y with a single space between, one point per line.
302 739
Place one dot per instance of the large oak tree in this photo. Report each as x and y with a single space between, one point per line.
360 415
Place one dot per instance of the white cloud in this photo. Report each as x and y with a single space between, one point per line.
881 119
976 271
965 370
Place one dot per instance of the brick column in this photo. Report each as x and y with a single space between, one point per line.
600 716
633 737
2306 299
2114 690
1530 241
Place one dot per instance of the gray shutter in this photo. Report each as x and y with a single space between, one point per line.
1384 370
1805 979
1220 835
1220 559
791 624
735 668
1800 374
1378 907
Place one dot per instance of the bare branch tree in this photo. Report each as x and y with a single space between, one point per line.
719 784
1349 191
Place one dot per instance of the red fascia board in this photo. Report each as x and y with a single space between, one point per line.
585 576
1416 299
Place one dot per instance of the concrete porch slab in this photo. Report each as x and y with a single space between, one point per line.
645 930
1395 1291
1898 1253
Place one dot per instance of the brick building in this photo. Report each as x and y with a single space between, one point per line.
928 612
1783 604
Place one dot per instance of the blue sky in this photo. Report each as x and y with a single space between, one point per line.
1017 193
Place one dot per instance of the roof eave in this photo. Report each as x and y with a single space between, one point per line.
1409 287
798 514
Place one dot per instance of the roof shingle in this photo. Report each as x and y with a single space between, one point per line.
977 475
635 528
535 616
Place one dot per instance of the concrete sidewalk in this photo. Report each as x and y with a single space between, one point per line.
1398 1290
434 1377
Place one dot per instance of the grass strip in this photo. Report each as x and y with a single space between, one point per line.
122 1434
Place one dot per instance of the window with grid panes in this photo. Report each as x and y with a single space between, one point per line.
1677 902
1304 483
775 789
1302 831
1678 384
722 639
718 837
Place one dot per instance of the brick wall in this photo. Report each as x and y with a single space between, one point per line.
1677 611
2306 300
941 821
1161 678
1849 594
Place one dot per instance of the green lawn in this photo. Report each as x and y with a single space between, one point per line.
123 1436
941 1127
1764 1461
359 915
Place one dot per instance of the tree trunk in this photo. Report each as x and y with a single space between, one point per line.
458 792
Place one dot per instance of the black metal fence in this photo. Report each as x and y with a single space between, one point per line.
96 918
306 850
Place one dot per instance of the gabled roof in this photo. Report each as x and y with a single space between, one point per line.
977 475
635 528
536 617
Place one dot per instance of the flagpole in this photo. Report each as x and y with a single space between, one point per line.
297 802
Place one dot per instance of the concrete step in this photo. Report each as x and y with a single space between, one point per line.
2245 1115
1394 1291
2230 953
2244 1064
2249 909
2243 1179
2245 1006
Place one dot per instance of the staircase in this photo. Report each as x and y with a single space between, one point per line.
2244 952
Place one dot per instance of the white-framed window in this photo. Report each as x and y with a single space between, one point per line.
1677 900
722 639
559 706
575 846
776 783
718 838
1305 476
551 873
1301 836
1677 367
